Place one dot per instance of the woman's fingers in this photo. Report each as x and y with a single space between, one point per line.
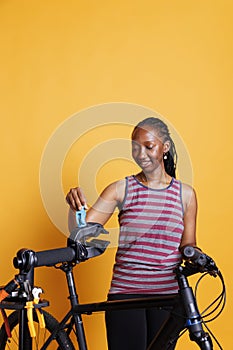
76 199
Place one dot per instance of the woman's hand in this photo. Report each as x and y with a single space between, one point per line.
104 206
76 199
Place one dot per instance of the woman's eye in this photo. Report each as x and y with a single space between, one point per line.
149 147
135 147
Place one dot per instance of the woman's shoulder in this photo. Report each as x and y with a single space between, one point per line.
117 183
188 189
188 194
116 189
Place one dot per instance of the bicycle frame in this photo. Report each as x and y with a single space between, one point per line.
183 304
183 307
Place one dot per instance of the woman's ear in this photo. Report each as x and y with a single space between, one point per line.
166 146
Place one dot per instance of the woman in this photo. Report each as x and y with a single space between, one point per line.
157 217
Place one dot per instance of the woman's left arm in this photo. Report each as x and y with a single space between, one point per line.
190 213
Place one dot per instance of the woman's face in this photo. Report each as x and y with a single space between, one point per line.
148 148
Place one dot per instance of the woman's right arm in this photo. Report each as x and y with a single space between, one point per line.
101 211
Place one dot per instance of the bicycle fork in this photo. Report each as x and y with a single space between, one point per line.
194 320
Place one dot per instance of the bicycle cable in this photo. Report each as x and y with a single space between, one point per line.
221 299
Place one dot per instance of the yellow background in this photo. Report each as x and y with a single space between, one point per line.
59 57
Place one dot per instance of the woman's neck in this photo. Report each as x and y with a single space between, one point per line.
158 180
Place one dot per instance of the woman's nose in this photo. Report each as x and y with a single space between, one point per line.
142 153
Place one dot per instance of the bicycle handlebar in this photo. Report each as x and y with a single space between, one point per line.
75 253
78 249
55 256
26 258
199 259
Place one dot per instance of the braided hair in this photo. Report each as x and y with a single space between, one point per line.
170 160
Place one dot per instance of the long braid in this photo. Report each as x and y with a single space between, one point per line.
161 127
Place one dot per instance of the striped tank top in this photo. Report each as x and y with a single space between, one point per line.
151 228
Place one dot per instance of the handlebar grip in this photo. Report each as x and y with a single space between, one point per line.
54 256
190 252
200 259
195 255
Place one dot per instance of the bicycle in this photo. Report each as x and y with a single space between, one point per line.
23 297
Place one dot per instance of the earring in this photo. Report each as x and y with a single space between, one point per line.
165 156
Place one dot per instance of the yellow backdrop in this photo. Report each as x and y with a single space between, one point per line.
60 57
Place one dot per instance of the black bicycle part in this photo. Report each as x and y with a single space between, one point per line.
26 260
71 318
77 318
76 251
168 334
199 259
62 339
165 301
193 317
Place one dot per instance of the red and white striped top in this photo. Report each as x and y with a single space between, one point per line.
151 228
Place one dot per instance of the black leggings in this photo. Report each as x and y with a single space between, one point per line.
133 329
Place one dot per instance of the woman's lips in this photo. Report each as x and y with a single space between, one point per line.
144 164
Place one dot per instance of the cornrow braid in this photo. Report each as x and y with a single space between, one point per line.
171 159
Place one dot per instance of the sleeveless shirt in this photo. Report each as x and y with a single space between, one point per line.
151 228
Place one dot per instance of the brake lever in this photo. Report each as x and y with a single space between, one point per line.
204 265
211 267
